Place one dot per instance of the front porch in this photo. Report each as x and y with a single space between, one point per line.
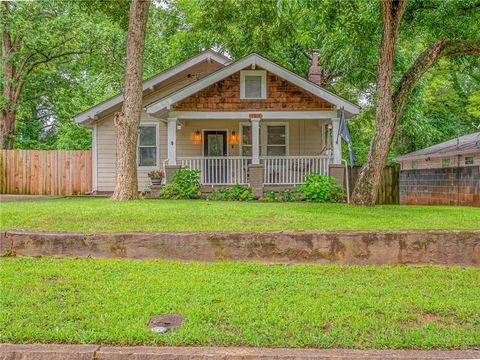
262 149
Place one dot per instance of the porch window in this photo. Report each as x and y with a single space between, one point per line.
276 140
246 139
253 84
148 145
445 163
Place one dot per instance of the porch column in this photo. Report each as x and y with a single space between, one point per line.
255 140
172 141
336 141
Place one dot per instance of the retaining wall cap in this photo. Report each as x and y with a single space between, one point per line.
47 352
83 352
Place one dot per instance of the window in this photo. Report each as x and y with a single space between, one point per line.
445 163
246 139
148 146
273 139
468 160
253 84
414 164
276 140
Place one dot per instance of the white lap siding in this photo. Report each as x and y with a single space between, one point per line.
106 153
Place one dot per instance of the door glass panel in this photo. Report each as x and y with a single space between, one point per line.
215 145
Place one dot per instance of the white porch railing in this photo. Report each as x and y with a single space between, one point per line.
221 170
291 170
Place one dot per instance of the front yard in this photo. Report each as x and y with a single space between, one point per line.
105 215
110 302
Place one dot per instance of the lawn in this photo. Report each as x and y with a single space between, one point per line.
233 304
106 215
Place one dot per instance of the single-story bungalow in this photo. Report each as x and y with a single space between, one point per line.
245 122
461 151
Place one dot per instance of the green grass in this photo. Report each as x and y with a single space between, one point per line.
233 304
103 214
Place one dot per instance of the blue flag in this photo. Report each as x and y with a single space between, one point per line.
345 134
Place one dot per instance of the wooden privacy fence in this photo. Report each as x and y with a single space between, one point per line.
389 192
44 172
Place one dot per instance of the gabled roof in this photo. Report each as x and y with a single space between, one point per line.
463 145
208 54
257 60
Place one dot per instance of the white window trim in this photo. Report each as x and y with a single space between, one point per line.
263 136
157 141
262 74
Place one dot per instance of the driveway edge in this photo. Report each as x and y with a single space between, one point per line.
97 352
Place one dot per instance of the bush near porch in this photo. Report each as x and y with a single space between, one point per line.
238 304
106 215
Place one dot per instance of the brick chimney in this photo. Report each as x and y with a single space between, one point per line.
314 72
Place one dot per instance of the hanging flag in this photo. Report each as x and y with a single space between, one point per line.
345 134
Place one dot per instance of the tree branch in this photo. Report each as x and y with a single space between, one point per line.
47 58
425 60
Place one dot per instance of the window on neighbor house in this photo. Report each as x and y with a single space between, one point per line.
253 84
147 145
468 160
276 140
414 164
445 163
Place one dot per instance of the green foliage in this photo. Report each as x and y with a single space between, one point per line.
172 191
234 193
188 181
285 195
320 188
445 103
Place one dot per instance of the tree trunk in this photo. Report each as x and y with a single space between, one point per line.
8 114
366 188
128 120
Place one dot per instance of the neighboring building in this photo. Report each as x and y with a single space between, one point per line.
247 122
446 173
462 151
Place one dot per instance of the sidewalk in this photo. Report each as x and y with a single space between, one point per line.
96 352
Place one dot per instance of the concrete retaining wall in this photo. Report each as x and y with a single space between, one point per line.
354 247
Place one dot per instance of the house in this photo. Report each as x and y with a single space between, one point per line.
461 151
443 174
245 122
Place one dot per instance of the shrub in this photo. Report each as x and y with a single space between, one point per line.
319 188
234 193
286 195
173 192
188 181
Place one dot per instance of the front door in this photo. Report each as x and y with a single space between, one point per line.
215 146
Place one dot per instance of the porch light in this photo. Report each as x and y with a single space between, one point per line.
233 137
197 136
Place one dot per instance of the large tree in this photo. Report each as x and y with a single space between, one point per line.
128 119
391 101
53 63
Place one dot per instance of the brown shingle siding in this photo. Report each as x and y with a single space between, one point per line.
225 96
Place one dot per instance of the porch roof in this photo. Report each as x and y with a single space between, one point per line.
158 107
